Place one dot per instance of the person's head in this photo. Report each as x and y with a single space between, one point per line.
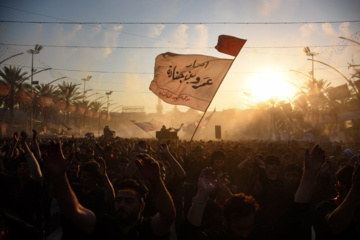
89 175
198 153
217 159
272 165
23 170
239 215
292 176
129 201
344 177
348 153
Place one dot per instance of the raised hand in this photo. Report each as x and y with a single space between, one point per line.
55 162
148 167
163 148
16 137
35 134
314 160
102 166
206 181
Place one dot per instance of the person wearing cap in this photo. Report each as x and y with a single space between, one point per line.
126 221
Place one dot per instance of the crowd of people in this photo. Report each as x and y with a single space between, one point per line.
116 188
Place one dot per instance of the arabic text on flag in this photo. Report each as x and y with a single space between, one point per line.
189 80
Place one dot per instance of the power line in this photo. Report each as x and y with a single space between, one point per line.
137 47
176 23
147 73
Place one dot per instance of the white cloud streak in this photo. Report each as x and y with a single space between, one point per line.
307 29
156 30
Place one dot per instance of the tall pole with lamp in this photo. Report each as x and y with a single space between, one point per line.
86 80
36 50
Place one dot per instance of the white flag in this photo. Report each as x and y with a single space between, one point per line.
189 80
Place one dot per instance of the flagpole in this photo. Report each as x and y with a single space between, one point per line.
213 97
143 130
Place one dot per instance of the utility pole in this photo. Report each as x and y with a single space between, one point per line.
36 50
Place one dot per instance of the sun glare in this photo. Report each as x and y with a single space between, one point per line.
264 86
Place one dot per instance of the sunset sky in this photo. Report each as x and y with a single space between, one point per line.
117 41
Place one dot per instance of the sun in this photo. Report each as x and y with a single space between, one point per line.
266 85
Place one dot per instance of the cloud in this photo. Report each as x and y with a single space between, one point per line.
268 7
111 39
61 36
156 30
344 28
202 36
329 31
308 29
95 31
180 35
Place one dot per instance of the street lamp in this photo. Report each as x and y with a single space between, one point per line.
108 96
86 80
312 54
36 50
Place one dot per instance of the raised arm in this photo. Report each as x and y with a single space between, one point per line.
35 142
10 153
108 187
178 169
206 185
57 166
30 158
312 165
344 214
162 220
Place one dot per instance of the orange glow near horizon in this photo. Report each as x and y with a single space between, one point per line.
266 85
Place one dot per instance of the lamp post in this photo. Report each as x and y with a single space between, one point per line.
36 50
86 80
311 54
108 97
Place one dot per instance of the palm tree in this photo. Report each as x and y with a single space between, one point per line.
85 104
68 93
44 90
97 106
13 77
315 93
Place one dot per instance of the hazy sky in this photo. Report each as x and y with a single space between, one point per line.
112 41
